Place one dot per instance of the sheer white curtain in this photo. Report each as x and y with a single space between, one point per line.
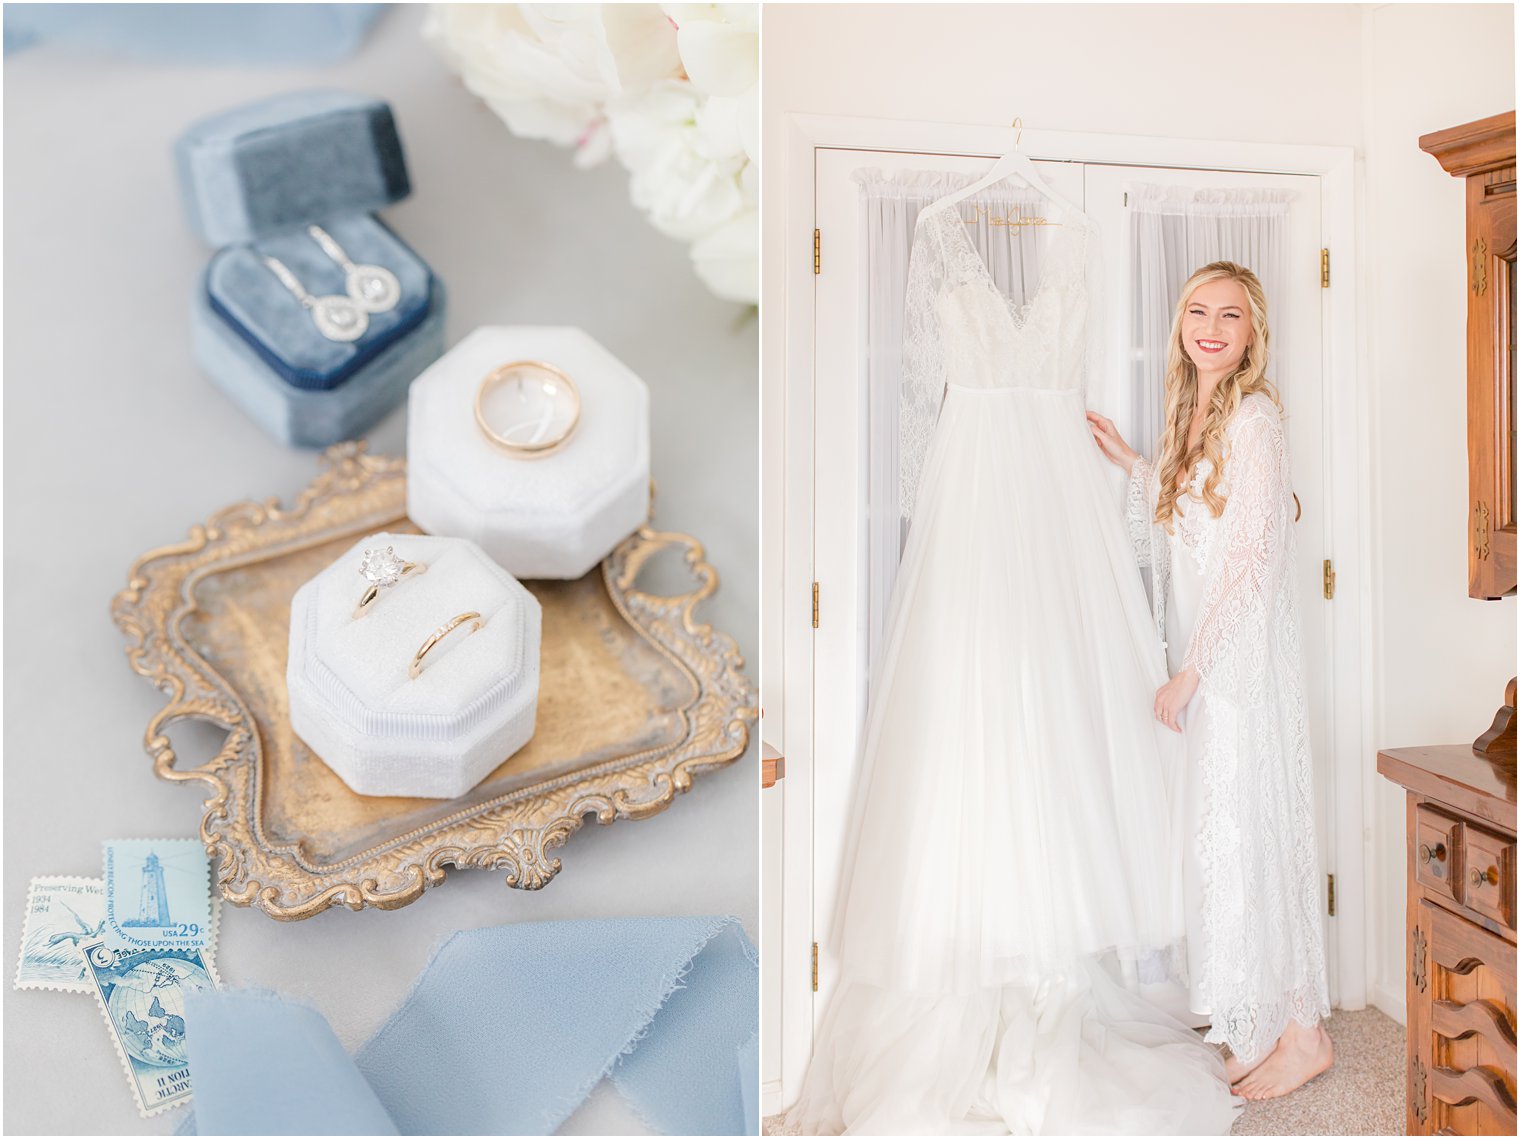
889 206
1173 231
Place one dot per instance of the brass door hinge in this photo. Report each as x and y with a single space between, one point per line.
815 605
817 252
815 966
1324 268
1332 895
1329 580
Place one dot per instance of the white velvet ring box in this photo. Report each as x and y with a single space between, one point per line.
555 516
353 701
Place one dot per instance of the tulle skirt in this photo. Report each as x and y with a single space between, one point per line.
1012 872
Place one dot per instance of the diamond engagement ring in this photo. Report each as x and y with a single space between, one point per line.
472 618
383 569
372 287
337 318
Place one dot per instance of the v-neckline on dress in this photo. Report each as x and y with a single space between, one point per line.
1017 313
1193 474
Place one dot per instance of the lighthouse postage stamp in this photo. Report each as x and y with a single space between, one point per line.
61 915
141 995
158 894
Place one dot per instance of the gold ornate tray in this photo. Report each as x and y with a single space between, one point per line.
635 697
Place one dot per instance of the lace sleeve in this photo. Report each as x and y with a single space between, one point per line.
1140 510
923 360
1148 538
1248 568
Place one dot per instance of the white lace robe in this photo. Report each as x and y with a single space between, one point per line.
1263 954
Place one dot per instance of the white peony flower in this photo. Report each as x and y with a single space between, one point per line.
720 45
685 173
673 90
548 69
728 258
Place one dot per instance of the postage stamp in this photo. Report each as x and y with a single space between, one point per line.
61 915
158 894
141 993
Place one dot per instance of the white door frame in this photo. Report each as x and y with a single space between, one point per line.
1348 498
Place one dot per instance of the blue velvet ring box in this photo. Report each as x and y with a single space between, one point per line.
253 179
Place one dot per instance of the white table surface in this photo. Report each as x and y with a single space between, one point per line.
114 444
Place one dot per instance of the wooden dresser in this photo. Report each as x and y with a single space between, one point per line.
1461 939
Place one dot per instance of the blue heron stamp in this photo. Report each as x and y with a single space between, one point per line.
61 915
158 894
141 993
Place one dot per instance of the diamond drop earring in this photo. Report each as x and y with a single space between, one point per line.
374 288
336 318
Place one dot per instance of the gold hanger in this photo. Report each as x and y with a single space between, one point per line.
1015 220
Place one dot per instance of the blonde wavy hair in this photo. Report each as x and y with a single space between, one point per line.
1182 394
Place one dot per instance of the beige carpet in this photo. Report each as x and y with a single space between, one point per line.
1362 1095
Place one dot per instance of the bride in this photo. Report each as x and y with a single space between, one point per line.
1224 599
1011 877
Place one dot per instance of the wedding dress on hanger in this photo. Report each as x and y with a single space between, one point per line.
1012 868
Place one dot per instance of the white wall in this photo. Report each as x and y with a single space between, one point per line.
1442 659
1374 77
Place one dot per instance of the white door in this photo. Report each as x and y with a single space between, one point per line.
843 474
1296 367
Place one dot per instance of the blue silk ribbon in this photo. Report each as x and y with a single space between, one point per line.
506 1031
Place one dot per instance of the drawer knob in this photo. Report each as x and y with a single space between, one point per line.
1483 877
1427 853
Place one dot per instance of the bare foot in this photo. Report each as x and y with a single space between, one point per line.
1235 1071
1301 1054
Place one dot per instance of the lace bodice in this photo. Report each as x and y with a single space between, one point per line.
1196 524
960 329
987 339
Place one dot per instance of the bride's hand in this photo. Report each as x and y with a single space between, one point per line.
1173 696
1109 441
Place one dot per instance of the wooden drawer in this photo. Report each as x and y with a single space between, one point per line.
1489 874
1461 984
1437 843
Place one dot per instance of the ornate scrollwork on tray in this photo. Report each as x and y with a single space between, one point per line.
704 704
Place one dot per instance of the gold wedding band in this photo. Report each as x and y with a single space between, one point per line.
438 634
535 448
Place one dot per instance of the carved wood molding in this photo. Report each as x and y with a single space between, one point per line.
1454 1020
1471 148
1457 1088
1482 154
1498 743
